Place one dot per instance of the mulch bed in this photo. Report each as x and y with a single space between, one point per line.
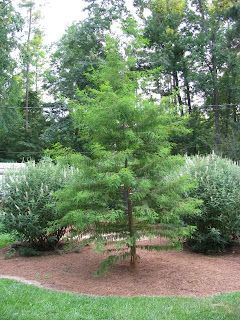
157 273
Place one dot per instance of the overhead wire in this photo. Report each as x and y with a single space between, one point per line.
194 107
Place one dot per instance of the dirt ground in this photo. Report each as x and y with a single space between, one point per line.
157 273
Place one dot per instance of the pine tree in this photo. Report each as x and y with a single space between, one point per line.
125 188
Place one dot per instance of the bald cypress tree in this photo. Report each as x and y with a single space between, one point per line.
126 188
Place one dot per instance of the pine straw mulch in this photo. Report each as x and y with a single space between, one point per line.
157 273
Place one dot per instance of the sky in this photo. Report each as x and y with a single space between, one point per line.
57 15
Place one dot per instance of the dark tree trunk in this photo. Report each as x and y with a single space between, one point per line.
213 70
235 114
217 136
187 89
28 72
129 212
228 110
212 66
176 85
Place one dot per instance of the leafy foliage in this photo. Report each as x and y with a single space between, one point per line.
219 188
194 43
5 238
10 117
28 204
82 48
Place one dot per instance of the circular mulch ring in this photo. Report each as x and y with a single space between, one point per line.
158 273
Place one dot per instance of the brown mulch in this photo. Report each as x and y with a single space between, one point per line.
157 273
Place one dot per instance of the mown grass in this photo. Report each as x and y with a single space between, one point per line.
24 302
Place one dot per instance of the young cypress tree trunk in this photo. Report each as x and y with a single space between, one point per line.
129 212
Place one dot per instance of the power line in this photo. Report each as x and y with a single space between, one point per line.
37 108
194 107
220 105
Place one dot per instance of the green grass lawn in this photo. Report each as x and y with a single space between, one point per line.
23 302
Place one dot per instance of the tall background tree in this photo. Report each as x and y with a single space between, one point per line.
10 95
191 49
196 46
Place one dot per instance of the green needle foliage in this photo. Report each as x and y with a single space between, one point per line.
125 188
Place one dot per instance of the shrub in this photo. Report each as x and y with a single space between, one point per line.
219 188
5 238
28 252
28 203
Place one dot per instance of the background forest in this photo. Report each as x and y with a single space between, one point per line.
189 50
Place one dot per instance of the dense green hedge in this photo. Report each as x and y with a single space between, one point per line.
28 204
219 188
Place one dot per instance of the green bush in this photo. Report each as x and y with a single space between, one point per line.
28 252
219 189
5 238
28 204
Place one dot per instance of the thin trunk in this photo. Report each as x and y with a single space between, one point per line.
217 136
228 110
179 98
36 78
188 97
27 72
235 114
129 212
213 71
201 9
187 88
173 85
232 84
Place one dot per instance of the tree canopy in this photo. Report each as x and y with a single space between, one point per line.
190 48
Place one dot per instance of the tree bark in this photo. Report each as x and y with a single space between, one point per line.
176 85
212 66
213 70
28 72
129 212
187 88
